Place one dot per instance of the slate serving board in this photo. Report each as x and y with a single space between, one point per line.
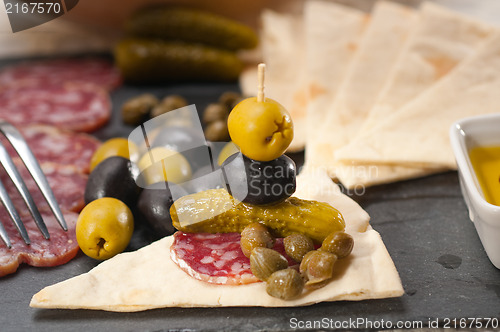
424 224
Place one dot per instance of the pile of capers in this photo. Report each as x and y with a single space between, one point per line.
316 265
138 109
215 116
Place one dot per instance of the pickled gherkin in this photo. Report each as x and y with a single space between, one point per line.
215 211
191 25
156 61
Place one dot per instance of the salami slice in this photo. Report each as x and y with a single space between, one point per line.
94 71
67 183
215 258
75 107
59 249
64 147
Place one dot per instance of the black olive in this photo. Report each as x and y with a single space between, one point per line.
258 182
187 141
154 206
114 177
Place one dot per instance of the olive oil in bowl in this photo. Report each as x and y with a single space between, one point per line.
486 163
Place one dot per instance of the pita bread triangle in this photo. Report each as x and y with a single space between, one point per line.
432 51
332 35
440 41
335 28
379 48
148 279
418 133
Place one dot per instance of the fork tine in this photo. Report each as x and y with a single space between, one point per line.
16 178
5 236
29 160
4 197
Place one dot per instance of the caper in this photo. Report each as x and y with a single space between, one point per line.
265 261
253 236
285 284
230 99
169 103
217 131
215 112
297 245
317 266
338 243
316 285
136 110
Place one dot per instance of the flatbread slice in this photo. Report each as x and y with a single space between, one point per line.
381 44
418 133
332 34
432 51
441 40
148 279
360 176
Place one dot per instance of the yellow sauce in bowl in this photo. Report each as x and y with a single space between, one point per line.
486 163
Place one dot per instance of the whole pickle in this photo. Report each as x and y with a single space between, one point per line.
191 25
143 61
215 211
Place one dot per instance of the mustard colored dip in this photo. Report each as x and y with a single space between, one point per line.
486 163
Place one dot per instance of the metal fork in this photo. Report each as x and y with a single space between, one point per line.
16 139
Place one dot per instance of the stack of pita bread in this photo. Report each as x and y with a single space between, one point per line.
380 93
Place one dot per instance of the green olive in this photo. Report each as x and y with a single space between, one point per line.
297 246
253 236
263 130
162 164
285 284
228 150
118 146
169 103
104 228
215 112
317 266
136 110
217 131
338 243
230 99
265 261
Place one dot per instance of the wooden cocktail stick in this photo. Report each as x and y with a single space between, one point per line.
261 69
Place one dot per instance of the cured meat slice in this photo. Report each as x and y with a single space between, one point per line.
215 258
98 72
67 183
75 107
64 147
59 249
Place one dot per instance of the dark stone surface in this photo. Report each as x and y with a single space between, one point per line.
424 224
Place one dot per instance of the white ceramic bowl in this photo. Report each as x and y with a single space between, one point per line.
465 135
